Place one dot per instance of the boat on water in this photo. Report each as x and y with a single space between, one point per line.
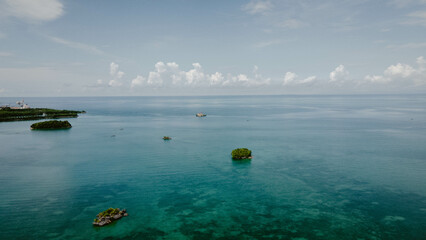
200 115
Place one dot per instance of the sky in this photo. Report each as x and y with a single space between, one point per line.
221 47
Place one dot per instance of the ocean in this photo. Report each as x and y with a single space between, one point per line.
323 167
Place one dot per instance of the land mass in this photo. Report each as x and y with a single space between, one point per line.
241 153
50 125
108 216
8 114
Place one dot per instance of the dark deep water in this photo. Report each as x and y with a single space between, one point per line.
324 167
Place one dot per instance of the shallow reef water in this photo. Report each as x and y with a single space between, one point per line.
323 167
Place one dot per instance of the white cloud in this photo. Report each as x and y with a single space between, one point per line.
402 74
376 79
163 74
258 78
176 79
170 75
216 79
138 81
194 76
400 71
116 75
173 66
120 74
339 74
115 83
154 79
258 7
176 74
160 67
291 79
308 80
242 78
33 10
113 68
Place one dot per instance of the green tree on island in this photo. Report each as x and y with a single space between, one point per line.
241 153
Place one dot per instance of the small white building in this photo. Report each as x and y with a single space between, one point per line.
22 105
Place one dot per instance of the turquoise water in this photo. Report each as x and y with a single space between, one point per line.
324 167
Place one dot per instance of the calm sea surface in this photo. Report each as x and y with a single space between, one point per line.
324 167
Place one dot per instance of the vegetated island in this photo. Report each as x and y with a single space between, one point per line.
50 125
200 115
108 216
167 138
8 114
241 154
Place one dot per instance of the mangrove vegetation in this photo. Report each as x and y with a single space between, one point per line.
8 114
47 125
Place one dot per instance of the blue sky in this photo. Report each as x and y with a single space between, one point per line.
183 47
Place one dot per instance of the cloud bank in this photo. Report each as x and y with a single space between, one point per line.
402 74
169 75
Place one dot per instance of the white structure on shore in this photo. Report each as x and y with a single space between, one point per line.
21 104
